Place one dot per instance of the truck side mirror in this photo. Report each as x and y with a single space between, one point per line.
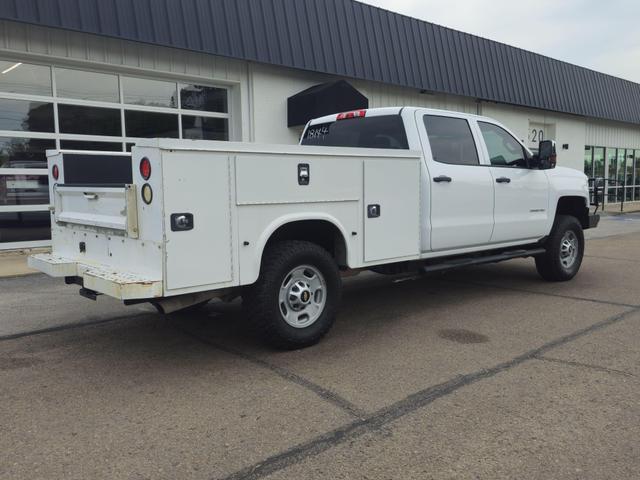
547 155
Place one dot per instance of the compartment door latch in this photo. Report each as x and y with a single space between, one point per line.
181 222
304 174
373 211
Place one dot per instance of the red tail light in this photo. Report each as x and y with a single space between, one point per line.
145 168
356 114
55 171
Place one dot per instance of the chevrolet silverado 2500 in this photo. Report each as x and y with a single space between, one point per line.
178 222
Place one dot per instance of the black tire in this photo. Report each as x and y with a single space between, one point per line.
262 300
554 265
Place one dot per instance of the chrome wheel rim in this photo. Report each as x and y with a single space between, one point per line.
569 248
303 295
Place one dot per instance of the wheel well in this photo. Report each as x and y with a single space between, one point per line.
320 232
574 206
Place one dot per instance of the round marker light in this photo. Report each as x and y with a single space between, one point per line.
55 171
145 168
147 193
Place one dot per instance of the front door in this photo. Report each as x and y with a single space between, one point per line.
521 194
460 188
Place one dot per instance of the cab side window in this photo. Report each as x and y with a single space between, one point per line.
451 140
504 150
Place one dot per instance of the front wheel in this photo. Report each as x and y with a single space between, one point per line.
295 300
565 250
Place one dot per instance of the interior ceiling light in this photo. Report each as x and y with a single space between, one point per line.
11 68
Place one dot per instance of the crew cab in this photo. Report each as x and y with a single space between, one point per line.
179 222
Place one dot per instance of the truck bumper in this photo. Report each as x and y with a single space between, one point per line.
594 220
99 278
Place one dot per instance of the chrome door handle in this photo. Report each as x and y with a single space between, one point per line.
503 180
442 178
90 196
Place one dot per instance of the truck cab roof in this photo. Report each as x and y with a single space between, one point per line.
376 112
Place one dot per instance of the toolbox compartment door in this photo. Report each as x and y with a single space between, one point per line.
197 183
391 209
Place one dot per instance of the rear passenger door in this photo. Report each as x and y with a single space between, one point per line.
460 189
521 193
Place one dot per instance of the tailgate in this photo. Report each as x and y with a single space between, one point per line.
102 230
110 207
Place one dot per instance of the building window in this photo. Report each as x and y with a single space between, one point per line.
25 78
588 161
46 107
19 152
621 169
636 181
26 116
151 93
89 120
84 145
99 87
203 128
205 99
598 162
151 125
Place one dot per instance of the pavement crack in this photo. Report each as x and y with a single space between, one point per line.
406 406
584 365
626 260
546 294
72 326
322 392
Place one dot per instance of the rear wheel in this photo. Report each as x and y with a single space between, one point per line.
295 300
565 250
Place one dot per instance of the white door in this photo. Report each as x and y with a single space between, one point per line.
197 184
391 209
461 189
521 194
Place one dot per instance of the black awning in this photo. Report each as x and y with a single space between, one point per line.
323 99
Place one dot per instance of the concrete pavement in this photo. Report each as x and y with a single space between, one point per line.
480 373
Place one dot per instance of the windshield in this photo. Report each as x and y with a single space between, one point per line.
385 131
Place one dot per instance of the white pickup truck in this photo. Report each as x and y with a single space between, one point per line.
180 222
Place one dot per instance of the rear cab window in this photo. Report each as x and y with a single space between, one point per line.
383 131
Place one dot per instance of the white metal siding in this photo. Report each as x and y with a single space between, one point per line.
612 134
23 38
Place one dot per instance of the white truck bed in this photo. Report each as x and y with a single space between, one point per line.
239 195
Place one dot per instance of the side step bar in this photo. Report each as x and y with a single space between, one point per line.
466 262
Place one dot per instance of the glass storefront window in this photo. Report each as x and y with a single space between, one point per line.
83 145
629 176
206 99
637 175
622 165
25 78
612 158
133 108
82 85
204 128
598 162
16 152
151 125
24 189
588 162
24 226
89 120
26 116
152 93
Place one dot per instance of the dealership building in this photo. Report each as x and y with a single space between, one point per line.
101 74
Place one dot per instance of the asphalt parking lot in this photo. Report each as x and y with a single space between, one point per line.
480 373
